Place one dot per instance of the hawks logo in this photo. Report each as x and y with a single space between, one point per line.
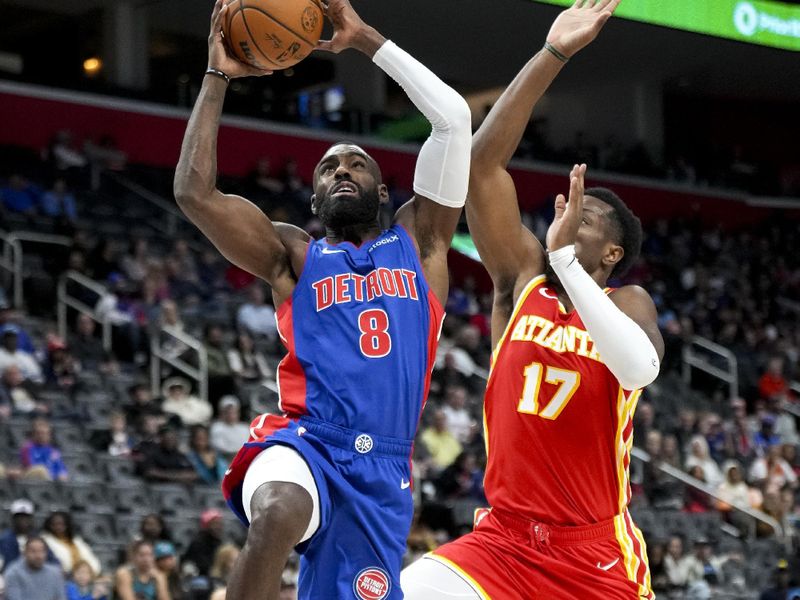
372 583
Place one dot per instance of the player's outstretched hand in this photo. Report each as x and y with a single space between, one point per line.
349 30
576 27
219 57
564 228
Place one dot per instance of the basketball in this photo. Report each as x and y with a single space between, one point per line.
272 34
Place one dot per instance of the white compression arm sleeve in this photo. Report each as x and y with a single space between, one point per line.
623 346
442 172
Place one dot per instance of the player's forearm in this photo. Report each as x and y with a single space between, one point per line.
499 135
196 174
623 345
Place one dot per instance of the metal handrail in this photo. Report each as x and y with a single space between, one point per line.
13 256
692 359
159 353
687 479
65 300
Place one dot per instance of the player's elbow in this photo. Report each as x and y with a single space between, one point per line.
454 117
639 372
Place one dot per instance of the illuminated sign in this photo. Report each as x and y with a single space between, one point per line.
754 21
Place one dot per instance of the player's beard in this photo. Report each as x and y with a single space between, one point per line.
341 212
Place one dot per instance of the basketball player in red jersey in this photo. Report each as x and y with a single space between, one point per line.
569 363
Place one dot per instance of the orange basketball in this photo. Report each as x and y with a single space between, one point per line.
272 34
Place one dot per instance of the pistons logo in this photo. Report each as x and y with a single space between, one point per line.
372 583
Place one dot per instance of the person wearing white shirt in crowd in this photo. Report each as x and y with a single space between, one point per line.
675 563
248 365
256 316
459 421
65 545
10 354
700 456
227 432
178 401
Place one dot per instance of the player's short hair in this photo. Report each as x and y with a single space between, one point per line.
625 227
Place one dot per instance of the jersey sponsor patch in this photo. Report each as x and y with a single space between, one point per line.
372 583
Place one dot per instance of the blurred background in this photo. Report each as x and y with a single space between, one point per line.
133 355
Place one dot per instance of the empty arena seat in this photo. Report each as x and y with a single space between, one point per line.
88 497
45 495
95 527
131 497
173 499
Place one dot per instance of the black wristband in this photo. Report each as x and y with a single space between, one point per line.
555 52
219 74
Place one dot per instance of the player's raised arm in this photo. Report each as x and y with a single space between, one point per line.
623 324
510 252
239 229
442 173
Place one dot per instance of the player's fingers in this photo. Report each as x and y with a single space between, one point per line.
216 17
560 205
610 5
215 12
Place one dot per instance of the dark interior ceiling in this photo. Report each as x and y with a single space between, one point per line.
477 44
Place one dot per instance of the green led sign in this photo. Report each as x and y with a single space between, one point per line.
753 21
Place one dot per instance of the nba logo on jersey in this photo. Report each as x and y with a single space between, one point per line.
372 584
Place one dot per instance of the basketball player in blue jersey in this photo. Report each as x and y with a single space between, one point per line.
359 312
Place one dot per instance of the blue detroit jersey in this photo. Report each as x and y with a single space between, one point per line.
361 328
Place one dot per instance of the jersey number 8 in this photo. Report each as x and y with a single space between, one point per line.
375 341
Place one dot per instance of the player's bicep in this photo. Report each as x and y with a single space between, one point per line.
506 247
241 232
635 302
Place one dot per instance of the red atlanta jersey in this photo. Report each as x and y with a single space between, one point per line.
559 427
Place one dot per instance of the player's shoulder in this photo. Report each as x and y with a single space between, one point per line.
632 292
634 299
292 233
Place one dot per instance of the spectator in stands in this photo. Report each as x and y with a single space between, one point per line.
39 457
255 316
740 437
185 259
136 263
84 586
141 404
224 559
772 472
19 394
765 438
154 529
104 260
13 539
459 421
64 154
188 408
19 196
30 577
140 580
773 383
249 366
733 490
166 463
711 428
658 571
9 319
462 480
167 563
68 547
116 440
59 203
643 419
700 456
440 443
11 354
220 375
695 500
149 439
210 466
205 544
263 180
228 433
789 454
785 427
61 368
686 429
773 507
676 564
782 578
85 345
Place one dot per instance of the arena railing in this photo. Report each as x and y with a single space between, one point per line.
700 360
173 215
66 300
161 353
14 257
685 478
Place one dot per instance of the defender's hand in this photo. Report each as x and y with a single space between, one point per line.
564 228
219 57
349 31
576 27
